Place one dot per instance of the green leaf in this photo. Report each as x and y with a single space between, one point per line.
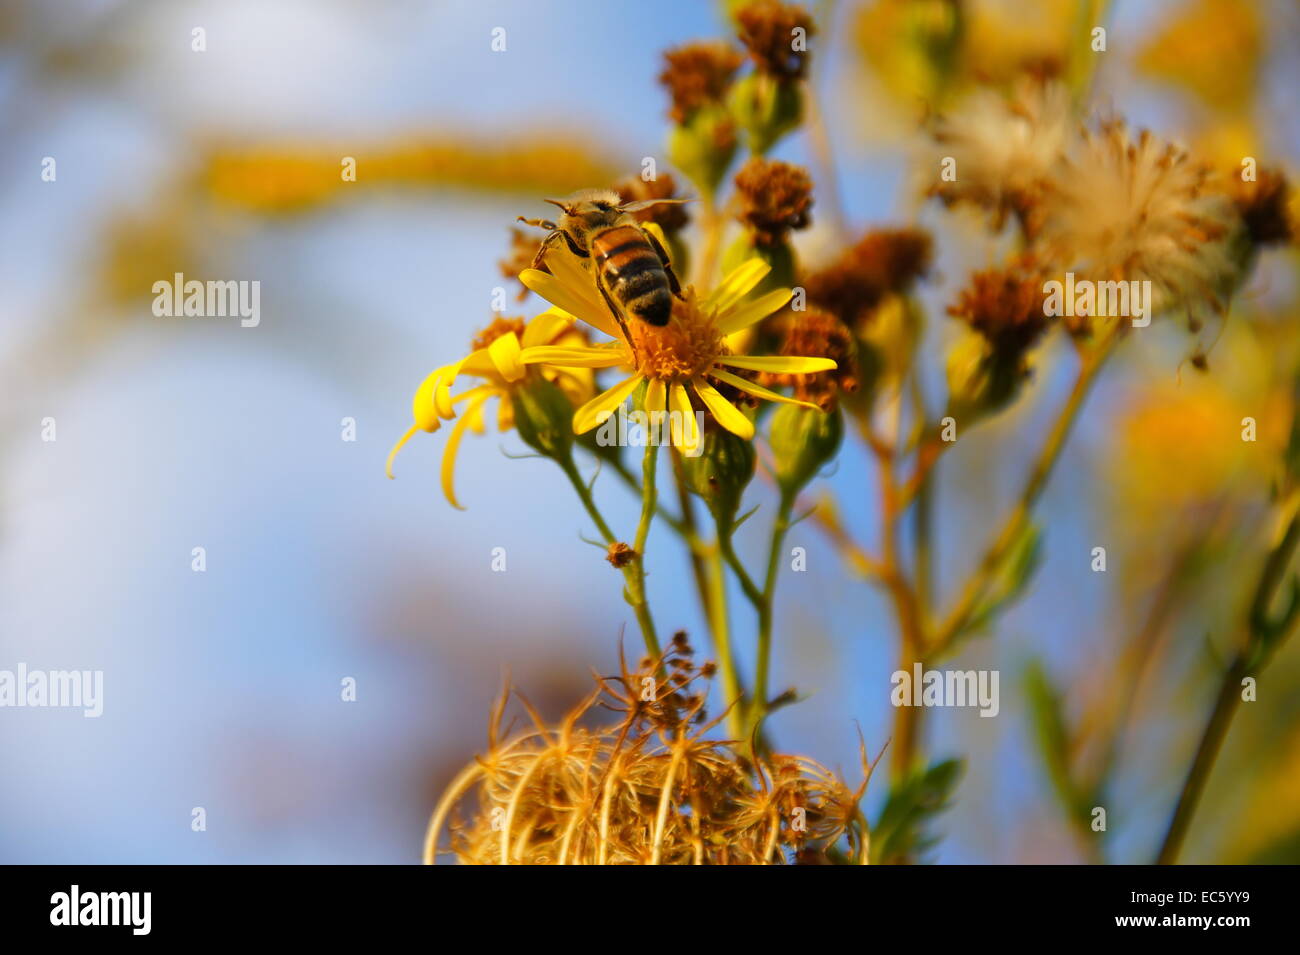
902 831
1012 578
1047 714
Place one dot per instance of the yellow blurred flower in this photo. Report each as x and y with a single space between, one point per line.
691 350
496 360
1212 49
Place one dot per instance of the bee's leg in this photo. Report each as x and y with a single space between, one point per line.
618 317
546 224
543 248
673 284
576 249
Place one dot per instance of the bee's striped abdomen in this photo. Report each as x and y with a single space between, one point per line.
633 273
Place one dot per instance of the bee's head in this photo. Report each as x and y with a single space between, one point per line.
587 210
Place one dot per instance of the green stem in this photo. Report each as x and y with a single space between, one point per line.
761 667
633 570
1263 640
1091 364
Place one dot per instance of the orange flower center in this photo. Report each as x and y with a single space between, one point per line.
684 348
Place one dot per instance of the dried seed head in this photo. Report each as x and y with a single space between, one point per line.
652 788
775 197
881 262
697 75
820 335
1006 307
620 555
769 30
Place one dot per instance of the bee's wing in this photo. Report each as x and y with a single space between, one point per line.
648 203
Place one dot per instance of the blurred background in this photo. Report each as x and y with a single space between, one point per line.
222 688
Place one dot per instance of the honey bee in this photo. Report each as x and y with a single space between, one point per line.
631 266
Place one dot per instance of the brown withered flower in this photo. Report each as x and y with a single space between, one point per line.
672 218
651 789
523 249
1262 205
883 261
1005 306
768 29
821 335
620 555
774 198
697 75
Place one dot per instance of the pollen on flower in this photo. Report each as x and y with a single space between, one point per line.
684 348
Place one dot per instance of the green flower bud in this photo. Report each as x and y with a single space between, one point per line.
543 416
703 147
981 382
720 473
803 442
779 257
767 108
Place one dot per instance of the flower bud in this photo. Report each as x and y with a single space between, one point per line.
766 107
803 442
720 473
703 146
780 257
543 416
981 382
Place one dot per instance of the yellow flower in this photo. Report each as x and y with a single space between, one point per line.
496 360
691 350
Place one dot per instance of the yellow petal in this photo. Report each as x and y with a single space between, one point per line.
448 470
504 353
573 298
656 395
723 411
401 443
754 311
685 429
758 390
590 414
782 364
546 327
574 357
738 283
